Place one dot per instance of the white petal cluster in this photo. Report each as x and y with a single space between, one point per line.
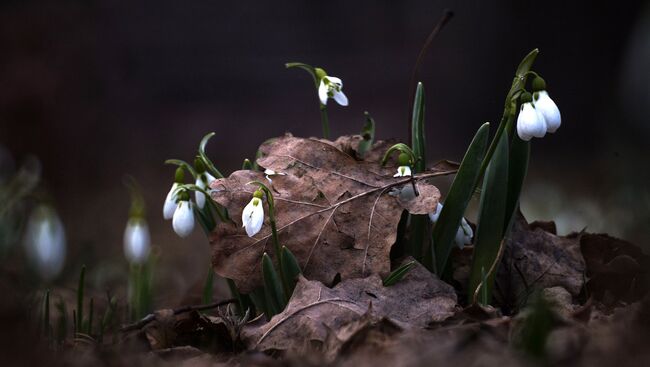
183 220
538 117
403 171
331 87
137 241
170 202
252 216
270 173
203 181
45 241
464 234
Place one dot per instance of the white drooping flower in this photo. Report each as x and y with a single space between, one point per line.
170 202
332 87
203 181
137 241
269 173
45 241
530 122
403 171
183 221
464 234
548 109
252 216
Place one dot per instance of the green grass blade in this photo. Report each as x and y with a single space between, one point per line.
291 270
399 273
91 311
517 169
234 292
80 299
204 157
62 323
418 143
208 286
46 314
368 135
458 198
272 286
492 214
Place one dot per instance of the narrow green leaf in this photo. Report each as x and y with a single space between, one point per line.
458 198
527 63
80 299
258 298
185 165
291 270
399 273
517 169
46 314
204 157
272 286
418 236
418 143
247 165
208 286
368 135
234 292
492 213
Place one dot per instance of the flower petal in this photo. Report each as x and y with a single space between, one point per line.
340 98
137 241
170 203
549 110
257 219
435 215
322 92
530 123
199 197
183 221
334 80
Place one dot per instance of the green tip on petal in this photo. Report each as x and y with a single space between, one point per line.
320 73
539 84
179 176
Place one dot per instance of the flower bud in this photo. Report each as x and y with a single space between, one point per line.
45 241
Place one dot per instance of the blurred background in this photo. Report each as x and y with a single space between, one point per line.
100 89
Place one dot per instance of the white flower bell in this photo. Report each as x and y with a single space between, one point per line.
545 105
530 122
137 241
403 171
203 181
183 221
269 173
464 234
252 216
170 201
330 87
45 241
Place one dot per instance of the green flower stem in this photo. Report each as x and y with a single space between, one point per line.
324 121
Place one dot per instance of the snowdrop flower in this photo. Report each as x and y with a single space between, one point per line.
170 201
330 87
137 240
270 172
530 122
403 171
464 234
252 216
203 181
45 241
183 221
545 105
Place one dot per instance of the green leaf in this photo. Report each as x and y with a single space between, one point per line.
368 134
182 163
492 214
234 292
204 157
208 286
458 198
291 269
272 287
418 236
308 68
258 298
80 299
417 130
46 315
517 169
399 273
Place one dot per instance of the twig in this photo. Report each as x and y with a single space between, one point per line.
150 317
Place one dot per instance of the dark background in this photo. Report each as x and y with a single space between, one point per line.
104 88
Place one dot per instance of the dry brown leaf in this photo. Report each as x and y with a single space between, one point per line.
337 215
315 311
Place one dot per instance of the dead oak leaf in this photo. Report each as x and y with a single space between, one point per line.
336 214
315 312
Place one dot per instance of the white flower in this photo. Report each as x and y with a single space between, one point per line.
547 108
269 172
183 221
45 241
331 87
252 216
137 241
170 202
464 234
530 122
403 171
203 181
